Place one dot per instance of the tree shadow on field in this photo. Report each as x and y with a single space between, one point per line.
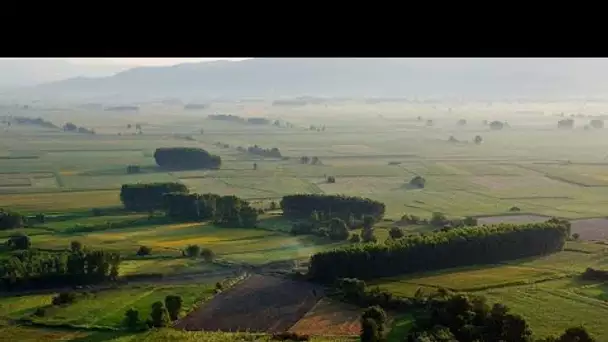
101 336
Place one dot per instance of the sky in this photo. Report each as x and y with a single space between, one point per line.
146 61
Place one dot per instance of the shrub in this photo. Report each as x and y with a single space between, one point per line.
331 179
207 254
40 312
159 317
144 250
438 219
470 221
75 246
19 242
289 336
132 321
369 331
395 233
193 251
355 238
64 298
514 209
418 182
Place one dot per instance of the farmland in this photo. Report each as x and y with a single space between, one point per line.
530 287
74 179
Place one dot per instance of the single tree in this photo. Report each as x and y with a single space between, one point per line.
76 246
174 306
478 139
395 233
338 229
159 317
144 250
132 321
369 331
207 254
193 251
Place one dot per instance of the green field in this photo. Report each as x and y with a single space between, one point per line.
107 308
371 150
545 290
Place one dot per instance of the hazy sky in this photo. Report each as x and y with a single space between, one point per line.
145 61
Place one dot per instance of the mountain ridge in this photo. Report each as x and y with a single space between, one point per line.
333 77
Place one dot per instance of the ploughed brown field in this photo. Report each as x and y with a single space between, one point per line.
258 304
330 318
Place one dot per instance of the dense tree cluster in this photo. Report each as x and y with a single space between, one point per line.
259 121
417 182
226 211
264 152
236 118
446 317
186 158
565 124
148 196
444 249
11 219
497 125
439 220
596 275
20 120
37 269
329 206
131 169
596 123
310 160
70 127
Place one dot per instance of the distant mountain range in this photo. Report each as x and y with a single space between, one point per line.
274 78
30 72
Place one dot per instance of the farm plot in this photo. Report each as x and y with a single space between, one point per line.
113 182
277 186
221 187
513 219
552 307
363 186
578 174
59 201
330 318
258 304
107 308
591 229
470 279
24 334
489 169
514 187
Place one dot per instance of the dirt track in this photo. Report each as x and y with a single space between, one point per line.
258 304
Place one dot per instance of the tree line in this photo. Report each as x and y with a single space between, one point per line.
148 196
11 220
331 206
264 152
38 269
225 211
443 249
179 158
